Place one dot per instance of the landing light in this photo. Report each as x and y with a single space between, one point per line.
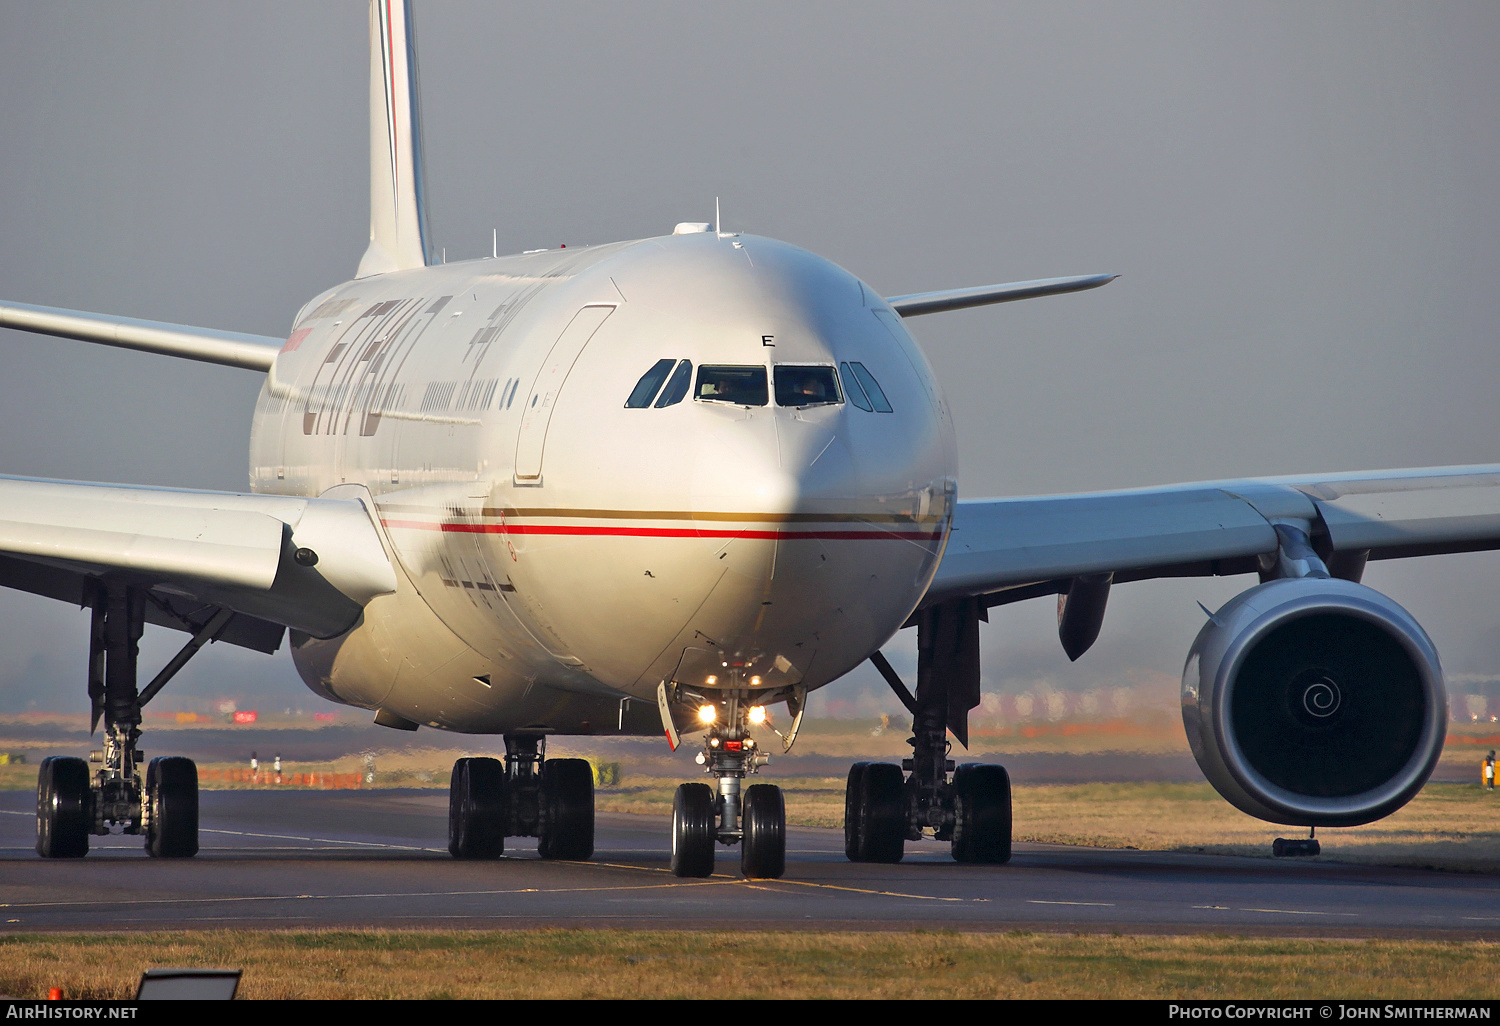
706 713
710 679
757 714
755 682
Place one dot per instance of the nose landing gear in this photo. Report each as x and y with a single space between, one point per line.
754 818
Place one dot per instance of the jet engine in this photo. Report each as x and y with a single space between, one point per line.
1314 702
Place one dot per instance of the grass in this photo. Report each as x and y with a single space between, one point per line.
556 963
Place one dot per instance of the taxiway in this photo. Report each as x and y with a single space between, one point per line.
378 858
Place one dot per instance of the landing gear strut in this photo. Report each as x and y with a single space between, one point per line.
886 805
71 803
754 818
528 795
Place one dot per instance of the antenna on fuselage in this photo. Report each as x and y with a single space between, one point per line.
718 224
494 242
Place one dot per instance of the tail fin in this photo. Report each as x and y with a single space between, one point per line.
398 215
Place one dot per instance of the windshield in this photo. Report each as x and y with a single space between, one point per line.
743 386
805 386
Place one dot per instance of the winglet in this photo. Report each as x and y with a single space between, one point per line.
398 215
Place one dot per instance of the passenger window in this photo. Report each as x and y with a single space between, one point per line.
646 388
743 386
805 386
852 389
871 387
677 388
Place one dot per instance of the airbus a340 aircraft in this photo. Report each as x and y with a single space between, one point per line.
659 486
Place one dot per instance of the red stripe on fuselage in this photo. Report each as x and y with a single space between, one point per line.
661 532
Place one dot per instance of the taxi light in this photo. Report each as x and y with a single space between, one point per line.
706 713
757 714
710 679
755 682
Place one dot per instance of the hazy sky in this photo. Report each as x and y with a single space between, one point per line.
1302 200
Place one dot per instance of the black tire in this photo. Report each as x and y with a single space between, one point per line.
567 810
172 794
476 809
882 813
853 796
763 833
62 808
981 814
694 830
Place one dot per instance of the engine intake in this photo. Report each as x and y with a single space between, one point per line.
1314 702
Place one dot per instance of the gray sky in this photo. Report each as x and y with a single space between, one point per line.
1301 198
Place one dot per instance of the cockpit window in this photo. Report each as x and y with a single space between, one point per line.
871 387
677 388
853 390
645 389
805 386
743 386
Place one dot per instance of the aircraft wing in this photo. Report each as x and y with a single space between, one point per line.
209 345
275 561
984 295
1010 549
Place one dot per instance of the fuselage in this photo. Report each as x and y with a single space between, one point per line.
718 461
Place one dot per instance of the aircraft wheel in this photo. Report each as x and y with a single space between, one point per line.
476 809
763 836
981 814
694 831
172 793
880 832
567 809
62 808
853 796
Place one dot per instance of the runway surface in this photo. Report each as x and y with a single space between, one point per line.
378 858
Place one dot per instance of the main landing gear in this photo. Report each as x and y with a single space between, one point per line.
886 805
528 795
754 818
72 802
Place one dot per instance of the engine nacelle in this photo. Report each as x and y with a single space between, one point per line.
1314 702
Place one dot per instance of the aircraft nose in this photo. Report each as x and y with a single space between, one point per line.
819 562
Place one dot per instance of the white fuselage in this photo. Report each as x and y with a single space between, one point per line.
558 551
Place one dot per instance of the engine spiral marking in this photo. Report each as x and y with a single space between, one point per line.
1322 698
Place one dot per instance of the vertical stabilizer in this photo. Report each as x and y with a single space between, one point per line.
398 215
